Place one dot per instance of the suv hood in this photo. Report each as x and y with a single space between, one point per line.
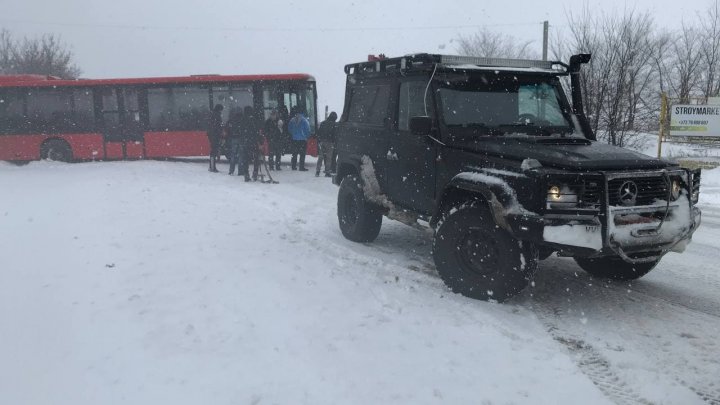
563 153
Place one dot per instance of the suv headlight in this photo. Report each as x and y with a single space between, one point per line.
561 197
675 188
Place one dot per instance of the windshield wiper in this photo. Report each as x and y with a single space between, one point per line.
528 128
484 128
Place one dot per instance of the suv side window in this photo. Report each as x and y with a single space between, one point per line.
412 103
368 104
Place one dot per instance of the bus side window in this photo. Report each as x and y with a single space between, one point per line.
109 108
12 111
234 98
83 110
179 107
61 110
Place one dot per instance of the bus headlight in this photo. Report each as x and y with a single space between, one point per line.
561 197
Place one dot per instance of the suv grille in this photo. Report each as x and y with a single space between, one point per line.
644 189
591 193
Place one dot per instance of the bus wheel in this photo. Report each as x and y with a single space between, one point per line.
19 162
56 150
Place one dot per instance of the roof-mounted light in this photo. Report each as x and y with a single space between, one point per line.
495 62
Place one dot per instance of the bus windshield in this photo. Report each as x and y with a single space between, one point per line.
493 104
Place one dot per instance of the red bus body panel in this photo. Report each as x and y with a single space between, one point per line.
134 150
85 146
124 150
176 143
27 147
113 150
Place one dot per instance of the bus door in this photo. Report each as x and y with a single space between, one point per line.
120 121
286 98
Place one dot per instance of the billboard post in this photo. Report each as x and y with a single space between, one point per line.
663 121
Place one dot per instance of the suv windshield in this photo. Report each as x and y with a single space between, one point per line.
493 104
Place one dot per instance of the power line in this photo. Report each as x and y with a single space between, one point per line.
262 29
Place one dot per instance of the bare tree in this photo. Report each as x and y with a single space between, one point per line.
687 57
710 25
618 85
494 45
7 50
46 55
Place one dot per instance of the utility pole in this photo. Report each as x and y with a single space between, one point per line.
546 24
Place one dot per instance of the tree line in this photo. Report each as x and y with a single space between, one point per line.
45 55
633 62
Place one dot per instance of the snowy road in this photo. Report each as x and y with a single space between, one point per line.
157 282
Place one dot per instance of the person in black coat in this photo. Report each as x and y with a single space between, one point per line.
326 145
214 133
283 120
274 134
234 140
251 139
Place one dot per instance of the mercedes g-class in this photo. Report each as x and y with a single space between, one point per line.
492 155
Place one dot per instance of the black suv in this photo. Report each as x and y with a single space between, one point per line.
492 155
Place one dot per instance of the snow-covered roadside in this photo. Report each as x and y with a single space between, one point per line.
157 282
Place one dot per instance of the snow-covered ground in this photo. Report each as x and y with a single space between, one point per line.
160 283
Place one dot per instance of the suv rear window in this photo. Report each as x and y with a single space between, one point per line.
368 104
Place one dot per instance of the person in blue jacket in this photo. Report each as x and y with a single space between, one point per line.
299 128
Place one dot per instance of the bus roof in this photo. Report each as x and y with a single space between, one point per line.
47 81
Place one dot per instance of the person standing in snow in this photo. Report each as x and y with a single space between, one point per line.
283 119
326 144
299 128
214 132
274 135
234 138
250 135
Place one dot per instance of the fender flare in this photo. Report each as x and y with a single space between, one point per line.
346 165
500 198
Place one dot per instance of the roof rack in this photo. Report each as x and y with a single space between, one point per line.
427 60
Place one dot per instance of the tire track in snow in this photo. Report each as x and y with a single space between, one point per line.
588 359
349 250
651 295
710 395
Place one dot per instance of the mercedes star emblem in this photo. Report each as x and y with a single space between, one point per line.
628 193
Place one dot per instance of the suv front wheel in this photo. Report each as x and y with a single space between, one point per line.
478 259
359 219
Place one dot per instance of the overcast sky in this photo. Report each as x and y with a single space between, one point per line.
135 38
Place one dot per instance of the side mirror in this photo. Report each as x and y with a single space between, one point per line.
421 125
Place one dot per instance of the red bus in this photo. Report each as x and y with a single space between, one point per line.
43 117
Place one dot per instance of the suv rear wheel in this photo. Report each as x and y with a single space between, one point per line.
478 259
359 219
615 268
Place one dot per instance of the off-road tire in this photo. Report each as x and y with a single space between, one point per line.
359 219
56 150
615 268
478 259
